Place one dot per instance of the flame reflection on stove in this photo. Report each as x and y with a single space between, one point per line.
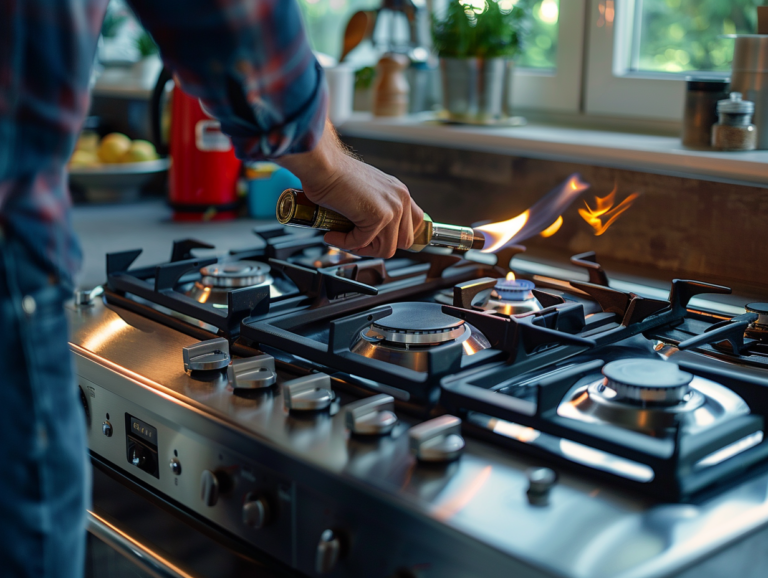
541 217
463 495
605 214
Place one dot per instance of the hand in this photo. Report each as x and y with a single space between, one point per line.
378 204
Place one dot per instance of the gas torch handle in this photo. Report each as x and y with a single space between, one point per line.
294 208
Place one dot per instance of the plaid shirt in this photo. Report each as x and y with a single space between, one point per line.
248 60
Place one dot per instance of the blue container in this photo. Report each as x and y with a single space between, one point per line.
264 187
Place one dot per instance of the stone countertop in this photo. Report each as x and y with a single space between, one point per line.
146 225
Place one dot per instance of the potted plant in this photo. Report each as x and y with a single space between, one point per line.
477 47
147 69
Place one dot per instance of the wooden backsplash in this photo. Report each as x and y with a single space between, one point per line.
685 226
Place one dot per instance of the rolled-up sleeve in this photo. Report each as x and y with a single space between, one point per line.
250 63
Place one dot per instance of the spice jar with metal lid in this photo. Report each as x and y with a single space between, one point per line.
701 97
735 131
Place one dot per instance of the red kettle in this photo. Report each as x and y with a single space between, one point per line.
204 170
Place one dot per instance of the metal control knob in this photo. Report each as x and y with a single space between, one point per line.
253 372
328 552
212 485
209 355
85 297
373 416
256 511
106 429
175 466
309 393
437 440
540 483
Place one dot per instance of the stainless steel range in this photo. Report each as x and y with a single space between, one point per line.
312 413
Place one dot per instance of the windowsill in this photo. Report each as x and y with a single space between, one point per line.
637 152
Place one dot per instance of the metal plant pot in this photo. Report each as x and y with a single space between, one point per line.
476 90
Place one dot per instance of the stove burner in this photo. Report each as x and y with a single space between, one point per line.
418 324
762 311
404 337
704 404
235 274
647 380
219 279
514 289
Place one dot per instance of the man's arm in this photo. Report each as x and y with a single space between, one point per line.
251 65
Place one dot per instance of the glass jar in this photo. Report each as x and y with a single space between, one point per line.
735 131
701 97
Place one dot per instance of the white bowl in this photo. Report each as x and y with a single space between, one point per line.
115 182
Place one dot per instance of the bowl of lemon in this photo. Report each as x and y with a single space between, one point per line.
113 168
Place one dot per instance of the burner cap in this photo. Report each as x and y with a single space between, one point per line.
235 274
647 380
762 310
414 323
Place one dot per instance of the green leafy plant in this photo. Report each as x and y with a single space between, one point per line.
145 45
491 32
364 77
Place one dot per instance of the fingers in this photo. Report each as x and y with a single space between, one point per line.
405 229
357 238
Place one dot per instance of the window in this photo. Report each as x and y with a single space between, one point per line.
641 50
631 62
687 35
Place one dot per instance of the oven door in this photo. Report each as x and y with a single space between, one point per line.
135 533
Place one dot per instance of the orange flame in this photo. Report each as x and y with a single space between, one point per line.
605 214
510 276
535 220
553 228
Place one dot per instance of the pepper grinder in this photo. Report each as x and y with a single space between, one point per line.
390 89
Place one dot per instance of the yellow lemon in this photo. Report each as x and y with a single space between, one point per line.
140 151
113 147
88 141
84 159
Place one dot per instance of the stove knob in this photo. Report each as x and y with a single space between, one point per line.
328 552
256 511
84 297
540 484
106 429
253 372
437 440
309 393
209 355
373 416
212 485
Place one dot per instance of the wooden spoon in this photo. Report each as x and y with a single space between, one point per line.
358 27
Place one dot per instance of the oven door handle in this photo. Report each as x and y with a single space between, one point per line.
140 554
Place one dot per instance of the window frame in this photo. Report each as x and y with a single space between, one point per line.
557 90
610 89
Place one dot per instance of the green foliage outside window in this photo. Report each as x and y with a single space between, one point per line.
685 35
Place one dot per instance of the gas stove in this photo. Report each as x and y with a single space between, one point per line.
429 414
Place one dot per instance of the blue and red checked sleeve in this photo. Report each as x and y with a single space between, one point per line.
250 63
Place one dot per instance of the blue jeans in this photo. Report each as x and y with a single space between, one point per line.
44 470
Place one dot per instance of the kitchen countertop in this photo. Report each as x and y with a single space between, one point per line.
146 225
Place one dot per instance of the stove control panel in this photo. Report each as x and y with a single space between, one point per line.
141 445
